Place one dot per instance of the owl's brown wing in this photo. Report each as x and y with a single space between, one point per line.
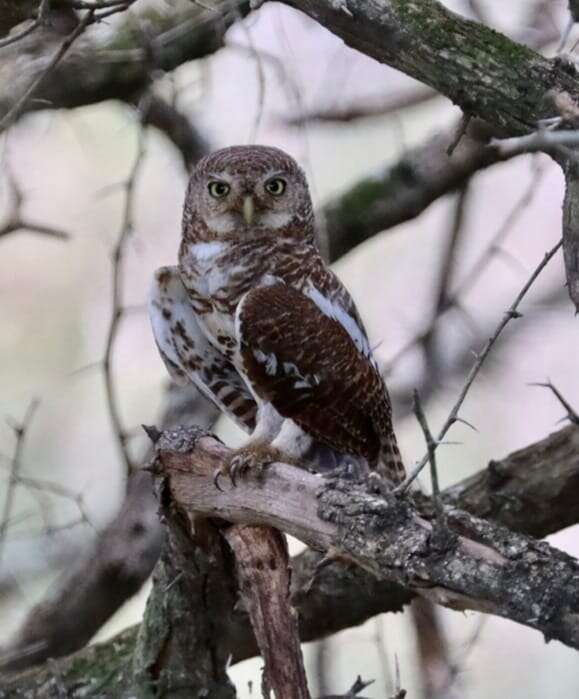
308 366
188 354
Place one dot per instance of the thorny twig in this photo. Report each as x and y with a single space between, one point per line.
572 415
431 447
511 313
117 311
354 691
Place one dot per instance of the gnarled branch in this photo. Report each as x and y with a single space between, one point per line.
466 563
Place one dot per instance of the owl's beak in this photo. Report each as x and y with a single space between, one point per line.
248 210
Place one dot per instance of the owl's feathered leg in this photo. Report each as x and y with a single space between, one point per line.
288 445
258 452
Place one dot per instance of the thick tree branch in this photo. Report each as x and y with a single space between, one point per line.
263 578
482 71
571 229
114 65
405 189
531 491
471 564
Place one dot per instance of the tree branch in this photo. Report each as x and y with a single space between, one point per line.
115 65
111 570
405 189
472 564
531 491
485 73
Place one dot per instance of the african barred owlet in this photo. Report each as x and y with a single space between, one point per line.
257 321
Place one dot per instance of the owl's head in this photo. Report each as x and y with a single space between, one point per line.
246 191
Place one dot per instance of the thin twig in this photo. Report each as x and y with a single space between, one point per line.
41 19
117 311
431 447
543 140
572 414
13 113
399 693
20 430
511 313
448 300
17 222
482 263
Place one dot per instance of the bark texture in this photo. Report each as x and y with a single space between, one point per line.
531 490
263 576
481 70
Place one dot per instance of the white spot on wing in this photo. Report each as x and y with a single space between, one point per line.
269 360
333 310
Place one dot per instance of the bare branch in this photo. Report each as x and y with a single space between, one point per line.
14 112
20 431
111 569
111 65
571 415
126 230
17 222
473 564
263 579
532 491
511 313
484 72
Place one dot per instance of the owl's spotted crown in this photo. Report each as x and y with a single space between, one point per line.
248 192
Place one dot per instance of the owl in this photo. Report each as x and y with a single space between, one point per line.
254 317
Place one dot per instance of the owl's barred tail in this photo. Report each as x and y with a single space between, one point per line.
390 464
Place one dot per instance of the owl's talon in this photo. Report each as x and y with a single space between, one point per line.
378 484
216 476
254 458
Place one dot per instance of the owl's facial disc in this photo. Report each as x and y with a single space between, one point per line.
246 201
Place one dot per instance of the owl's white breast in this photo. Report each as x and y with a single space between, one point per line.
203 261
209 277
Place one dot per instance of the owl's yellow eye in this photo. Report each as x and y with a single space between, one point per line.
275 186
218 189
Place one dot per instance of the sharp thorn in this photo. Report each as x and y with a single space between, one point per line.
466 422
